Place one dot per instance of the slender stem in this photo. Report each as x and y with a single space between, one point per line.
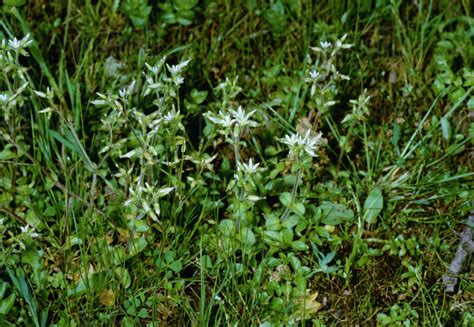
293 194
235 140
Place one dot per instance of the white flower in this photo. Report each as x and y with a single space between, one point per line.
178 80
164 191
176 69
341 45
153 69
297 144
40 94
15 43
255 198
325 45
224 120
249 168
20 44
311 143
314 75
27 229
99 102
26 40
169 117
126 91
242 118
291 140
4 98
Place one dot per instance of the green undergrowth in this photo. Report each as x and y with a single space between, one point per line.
244 163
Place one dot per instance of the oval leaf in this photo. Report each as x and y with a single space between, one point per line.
373 205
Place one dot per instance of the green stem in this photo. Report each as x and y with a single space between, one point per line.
293 195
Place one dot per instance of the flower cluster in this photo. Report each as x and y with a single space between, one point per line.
145 200
299 145
14 74
237 118
323 75
360 109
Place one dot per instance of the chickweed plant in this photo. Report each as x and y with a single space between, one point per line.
152 190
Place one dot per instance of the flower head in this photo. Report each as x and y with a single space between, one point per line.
243 119
249 168
16 44
176 69
325 45
222 119
4 98
299 145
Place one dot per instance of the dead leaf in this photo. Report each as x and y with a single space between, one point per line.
107 298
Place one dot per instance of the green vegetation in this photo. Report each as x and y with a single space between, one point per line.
235 163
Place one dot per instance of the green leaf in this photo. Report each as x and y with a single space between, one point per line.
136 246
176 266
14 3
185 4
335 213
143 313
287 236
49 212
446 128
198 96
273 223
248 237
298 208
140 226
3 288
124 276
227 227
291 221
285 199
6 154
277 304
32 257
7 304
373 205
299 246
273 236
271 151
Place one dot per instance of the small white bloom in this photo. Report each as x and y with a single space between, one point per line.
224 120
99 102
4 98
249 168
314 75
311 143
164 191
298 144
176 69
153 69
27 229
179 80
170 116
26 40
341 45
325 45
40 94
242 118
291 140
15 43
255 198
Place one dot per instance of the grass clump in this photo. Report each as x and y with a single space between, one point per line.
207 163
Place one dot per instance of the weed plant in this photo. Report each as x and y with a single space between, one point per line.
196 163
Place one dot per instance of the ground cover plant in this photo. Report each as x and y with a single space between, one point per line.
244 163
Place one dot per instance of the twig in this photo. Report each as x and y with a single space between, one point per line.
466 246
